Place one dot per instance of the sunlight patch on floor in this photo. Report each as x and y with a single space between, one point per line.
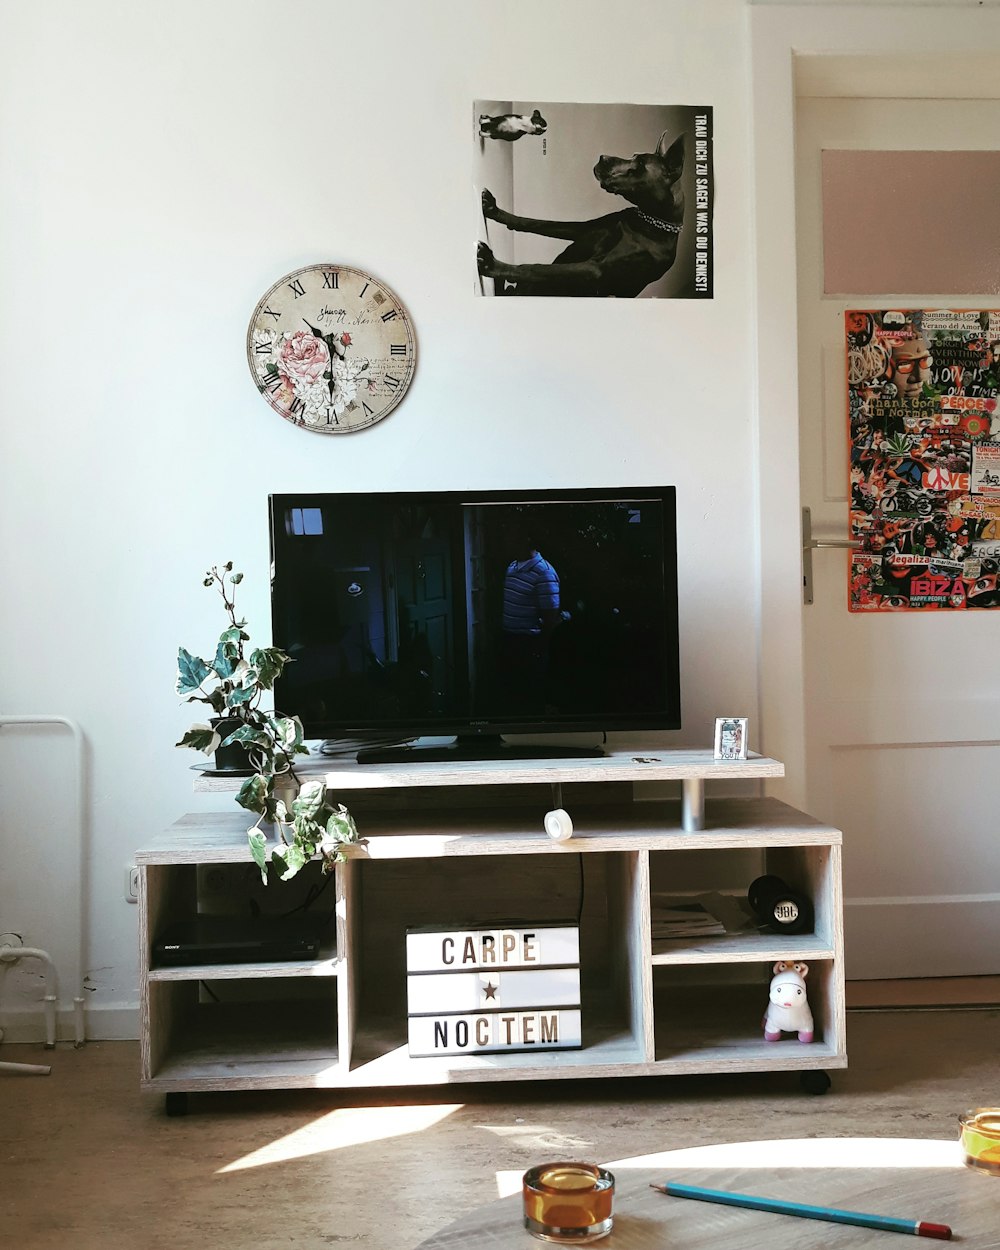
807 1152
348 1126
541 1137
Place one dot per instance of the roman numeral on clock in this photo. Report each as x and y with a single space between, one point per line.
269 312
297 288
271 381
331 281
391 315
369 412
297 406
363 289
391 382
397 349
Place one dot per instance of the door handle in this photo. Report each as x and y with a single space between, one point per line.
809 545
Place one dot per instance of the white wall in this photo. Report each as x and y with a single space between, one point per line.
160 167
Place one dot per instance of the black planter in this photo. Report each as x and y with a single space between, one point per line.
233 758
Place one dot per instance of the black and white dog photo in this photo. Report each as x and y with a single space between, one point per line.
658 160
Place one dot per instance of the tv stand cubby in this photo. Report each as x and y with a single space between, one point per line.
462 844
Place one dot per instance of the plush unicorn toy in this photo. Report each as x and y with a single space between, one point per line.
788 1008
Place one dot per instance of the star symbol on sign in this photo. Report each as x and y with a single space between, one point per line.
491 990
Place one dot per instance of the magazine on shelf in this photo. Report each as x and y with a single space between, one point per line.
701 915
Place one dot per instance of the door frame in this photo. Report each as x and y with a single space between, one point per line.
819 50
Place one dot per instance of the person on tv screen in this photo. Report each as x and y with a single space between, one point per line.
530 616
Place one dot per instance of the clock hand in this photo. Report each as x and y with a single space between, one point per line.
328 339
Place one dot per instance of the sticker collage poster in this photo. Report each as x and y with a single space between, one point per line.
924 437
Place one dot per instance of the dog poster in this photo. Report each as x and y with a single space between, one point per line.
593 200
924 436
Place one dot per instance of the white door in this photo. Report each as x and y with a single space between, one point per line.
902 709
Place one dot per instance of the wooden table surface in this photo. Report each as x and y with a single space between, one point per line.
940 1191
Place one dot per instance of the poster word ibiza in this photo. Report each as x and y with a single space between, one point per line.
922 390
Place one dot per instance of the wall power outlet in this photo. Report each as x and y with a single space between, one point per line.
131 884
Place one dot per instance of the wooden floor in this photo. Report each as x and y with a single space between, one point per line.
89 1163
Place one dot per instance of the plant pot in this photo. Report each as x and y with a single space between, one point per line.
233 758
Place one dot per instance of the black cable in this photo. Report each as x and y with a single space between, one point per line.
312 895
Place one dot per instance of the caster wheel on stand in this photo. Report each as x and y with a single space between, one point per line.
815 1082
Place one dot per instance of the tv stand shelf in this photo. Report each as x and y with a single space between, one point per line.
440 853
692 768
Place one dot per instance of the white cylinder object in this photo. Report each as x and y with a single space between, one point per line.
558 825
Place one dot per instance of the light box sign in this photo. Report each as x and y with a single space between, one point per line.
497 989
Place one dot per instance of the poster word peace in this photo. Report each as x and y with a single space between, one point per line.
922 391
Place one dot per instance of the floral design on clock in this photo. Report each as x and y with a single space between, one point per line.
331 348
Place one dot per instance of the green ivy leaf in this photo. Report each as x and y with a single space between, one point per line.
191 672
269 663
249 735
294 857
288 734
241 695
310 800
225 661
341 825
253 794
258 849
201 738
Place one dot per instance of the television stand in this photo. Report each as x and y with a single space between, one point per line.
653 1003
473 747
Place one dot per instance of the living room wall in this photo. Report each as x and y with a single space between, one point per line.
160 168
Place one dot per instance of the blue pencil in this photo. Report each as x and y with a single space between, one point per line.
889 1223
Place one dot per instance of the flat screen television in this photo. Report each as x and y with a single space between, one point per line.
476 614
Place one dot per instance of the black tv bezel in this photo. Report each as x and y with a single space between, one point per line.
489 729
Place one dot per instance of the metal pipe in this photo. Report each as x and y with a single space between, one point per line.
10 954
36 1069
692 804
82 864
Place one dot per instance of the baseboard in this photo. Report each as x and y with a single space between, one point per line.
923 992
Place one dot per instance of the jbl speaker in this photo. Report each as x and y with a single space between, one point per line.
780 908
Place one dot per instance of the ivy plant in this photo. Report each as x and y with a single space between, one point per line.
233 685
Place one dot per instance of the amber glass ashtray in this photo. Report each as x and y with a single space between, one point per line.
568 1203
981 1139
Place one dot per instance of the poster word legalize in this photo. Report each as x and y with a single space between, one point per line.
925 459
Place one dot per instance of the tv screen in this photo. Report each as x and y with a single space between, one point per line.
476 613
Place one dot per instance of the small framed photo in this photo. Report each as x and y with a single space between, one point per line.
731 738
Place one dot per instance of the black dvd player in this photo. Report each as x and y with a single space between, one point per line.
240 939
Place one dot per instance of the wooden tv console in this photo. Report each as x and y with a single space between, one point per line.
464 844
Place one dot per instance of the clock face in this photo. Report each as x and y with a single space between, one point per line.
331 348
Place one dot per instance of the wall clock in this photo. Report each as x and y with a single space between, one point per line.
331 348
